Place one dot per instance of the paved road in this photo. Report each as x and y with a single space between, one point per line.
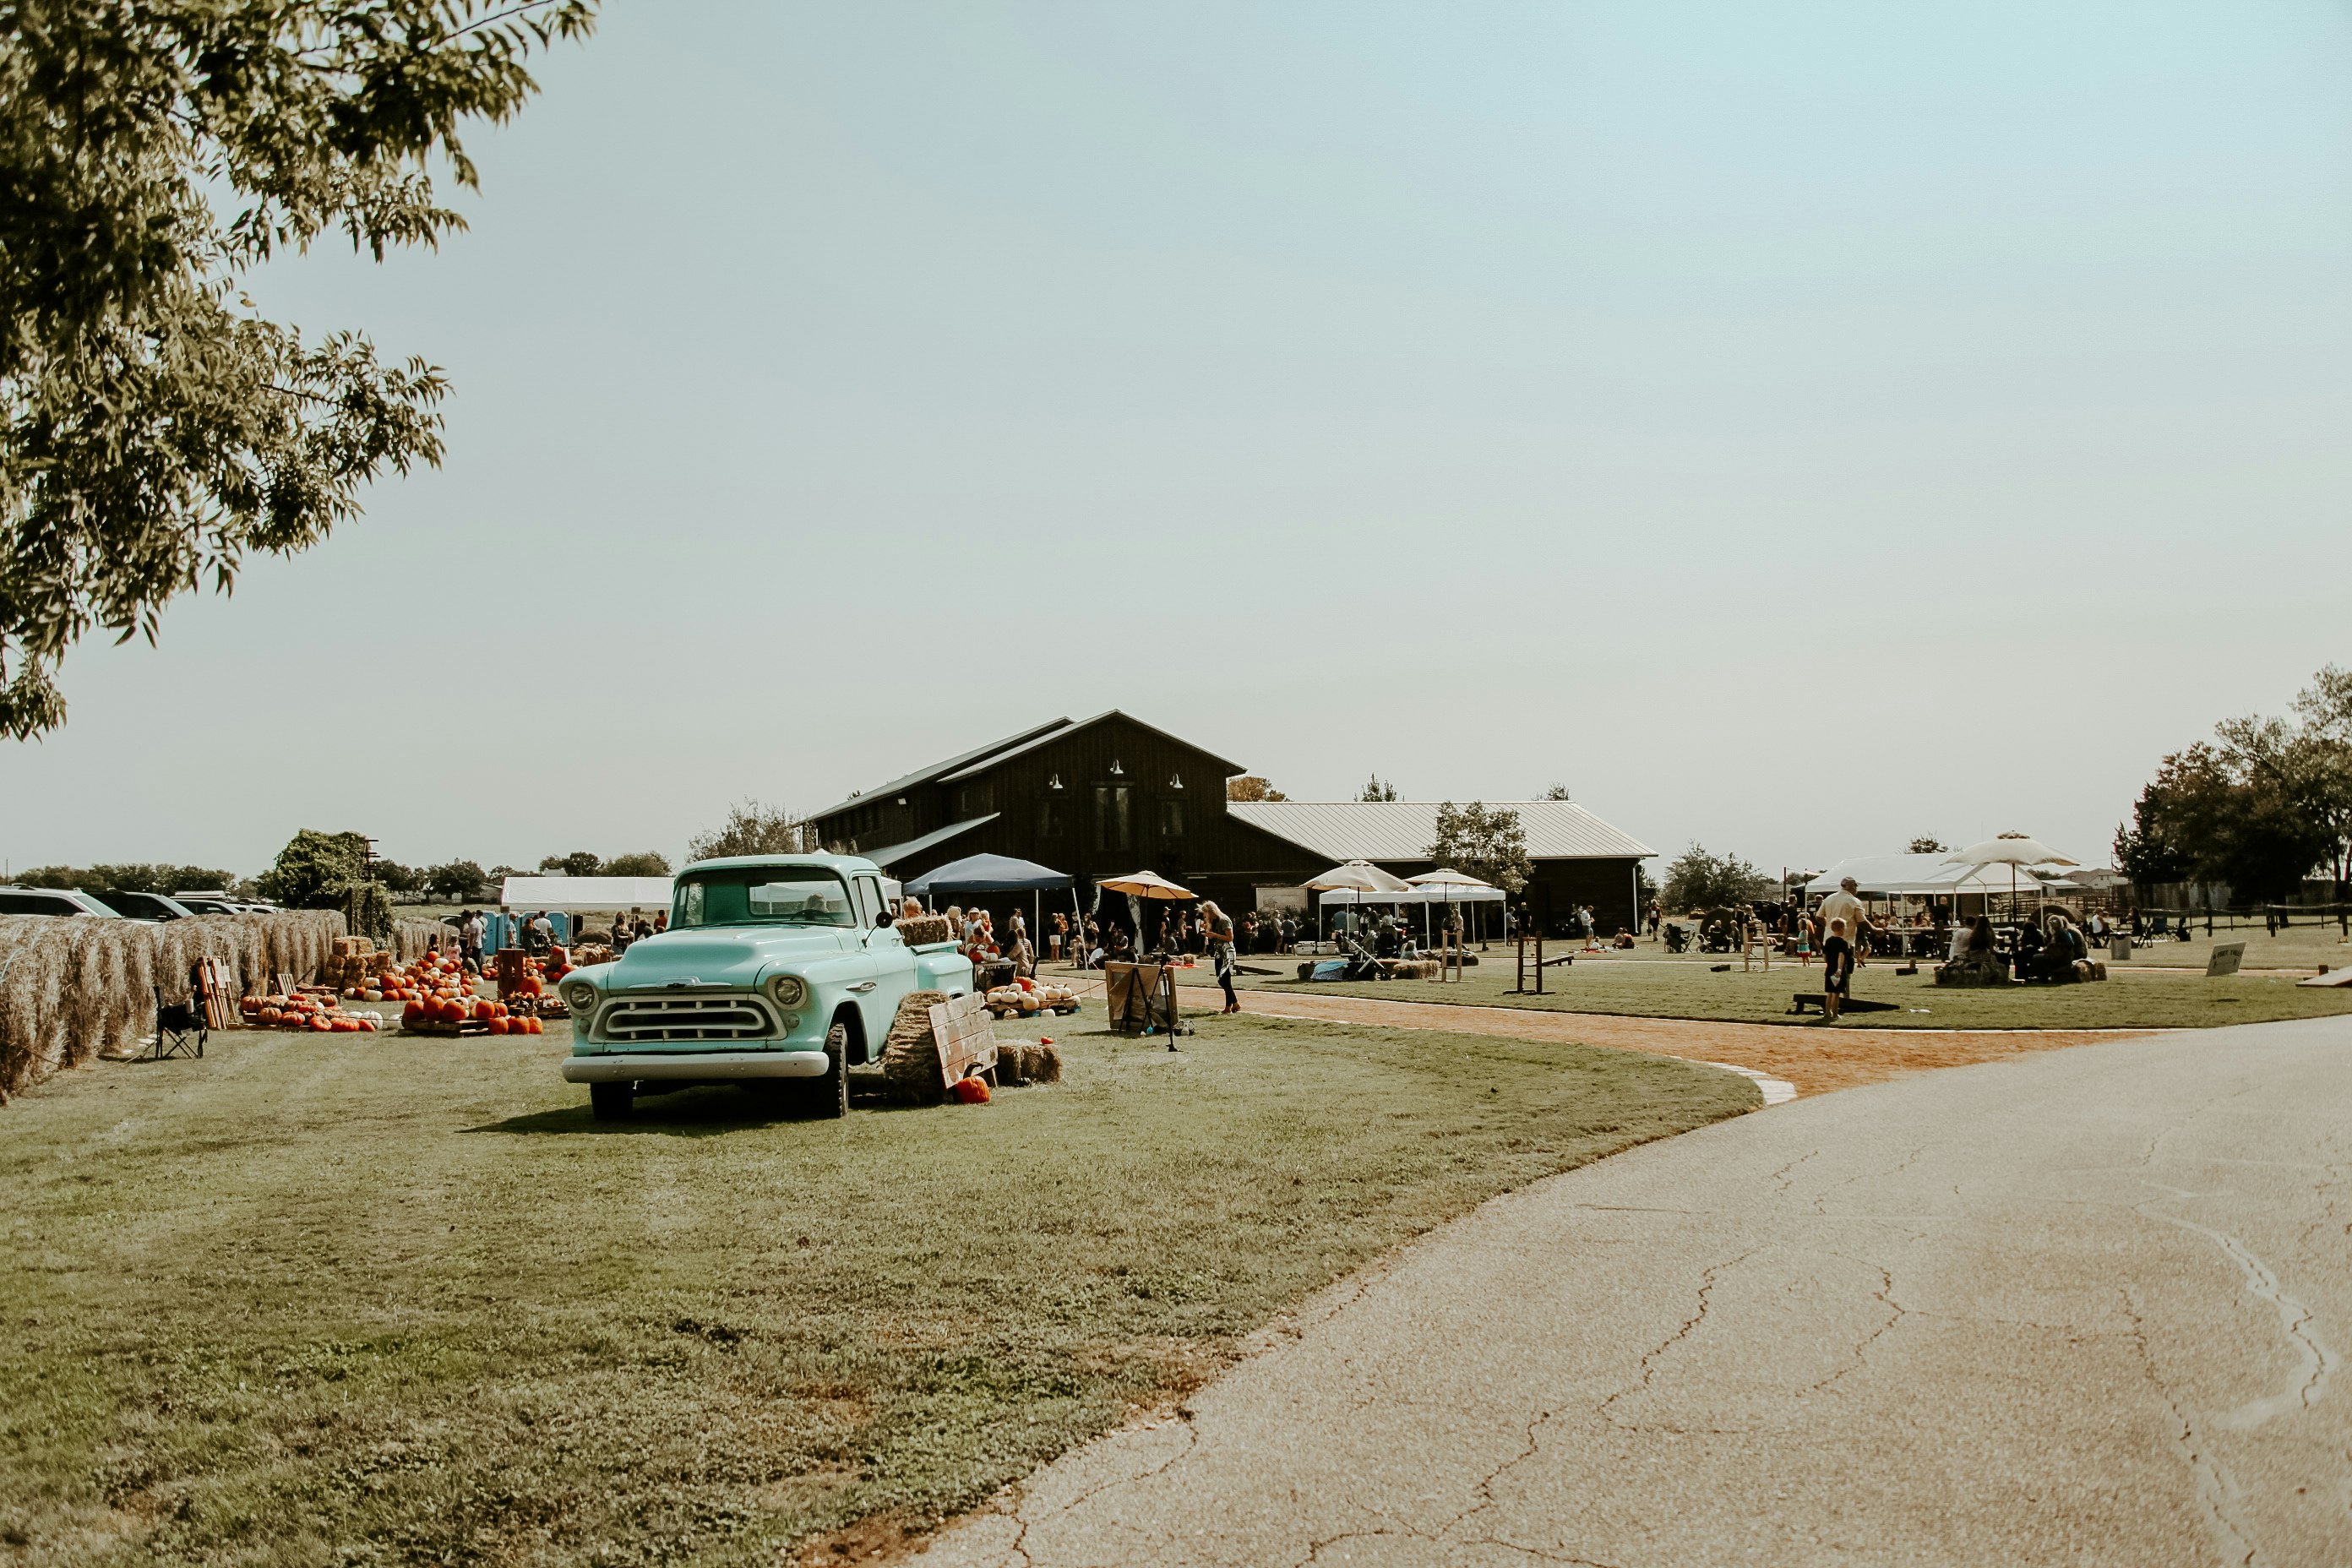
2086 1307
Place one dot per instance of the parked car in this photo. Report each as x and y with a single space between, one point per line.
774 968
211 904
52 901
144 906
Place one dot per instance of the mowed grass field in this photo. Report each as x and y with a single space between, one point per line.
1644 983
358 1299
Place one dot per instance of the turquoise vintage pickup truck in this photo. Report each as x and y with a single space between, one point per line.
783 970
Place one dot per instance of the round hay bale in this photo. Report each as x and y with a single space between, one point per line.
910 1057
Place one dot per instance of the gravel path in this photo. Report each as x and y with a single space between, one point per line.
2079 1307
1816 1058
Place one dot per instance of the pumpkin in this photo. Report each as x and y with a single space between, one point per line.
970 1092
536 1027
411 1014
498 1025
320 1023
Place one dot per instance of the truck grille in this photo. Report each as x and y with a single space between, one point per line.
686 1019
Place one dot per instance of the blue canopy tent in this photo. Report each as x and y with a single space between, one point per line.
978 874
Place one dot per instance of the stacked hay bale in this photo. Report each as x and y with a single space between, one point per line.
413 938
910 1057
72 988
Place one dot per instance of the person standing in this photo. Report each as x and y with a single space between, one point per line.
1837 970
1219 932
1841 905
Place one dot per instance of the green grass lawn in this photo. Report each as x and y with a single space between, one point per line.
348 1299
1650 986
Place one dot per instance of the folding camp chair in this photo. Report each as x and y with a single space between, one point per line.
180 1028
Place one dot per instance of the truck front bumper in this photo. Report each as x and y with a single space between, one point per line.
715 1066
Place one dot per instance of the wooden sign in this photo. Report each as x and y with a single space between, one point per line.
2227 956
961 1028
215 989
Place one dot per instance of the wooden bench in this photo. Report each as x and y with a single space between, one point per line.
1813 999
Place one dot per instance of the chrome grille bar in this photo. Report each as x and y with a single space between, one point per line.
687 1018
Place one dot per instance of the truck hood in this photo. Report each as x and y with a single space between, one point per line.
735 957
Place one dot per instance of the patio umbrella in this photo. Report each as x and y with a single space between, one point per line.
1359 877
1445 879
2012 852
1138 885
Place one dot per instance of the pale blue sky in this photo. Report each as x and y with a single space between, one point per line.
1793 426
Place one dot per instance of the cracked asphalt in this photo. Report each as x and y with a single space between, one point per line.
2083 1307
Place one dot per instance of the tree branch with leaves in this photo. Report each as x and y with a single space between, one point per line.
158 430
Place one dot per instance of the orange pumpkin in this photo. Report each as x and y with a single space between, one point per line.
970 1092
498 1025
411 1014
535 1027
320 1023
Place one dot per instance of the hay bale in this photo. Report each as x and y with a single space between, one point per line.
911 1057
1042 1063
1008 1062
71 988
924 930
413 938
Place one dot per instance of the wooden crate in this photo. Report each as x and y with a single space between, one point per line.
961 1028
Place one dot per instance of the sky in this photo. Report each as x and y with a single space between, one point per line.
1794 428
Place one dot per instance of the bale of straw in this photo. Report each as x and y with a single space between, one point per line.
1010 1056
911 1057
72 988
413 938
1041 1063
923 929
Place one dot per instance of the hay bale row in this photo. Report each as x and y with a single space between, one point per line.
412 938
71 988
1027 1061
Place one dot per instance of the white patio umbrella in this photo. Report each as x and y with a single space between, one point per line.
2012 850
1443 879
1359 877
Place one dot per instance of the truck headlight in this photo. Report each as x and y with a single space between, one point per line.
580 996
787 991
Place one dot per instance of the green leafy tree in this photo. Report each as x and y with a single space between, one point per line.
1697 882
1488 842
315 871
454 881
1249 786
1554 792
644 863
129 879
1378 788
579 863
1925 845
155 154
400 879
752 828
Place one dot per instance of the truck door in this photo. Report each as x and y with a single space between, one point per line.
892 965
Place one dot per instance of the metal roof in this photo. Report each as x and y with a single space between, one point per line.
884 856
924 775
1401 830
1066 728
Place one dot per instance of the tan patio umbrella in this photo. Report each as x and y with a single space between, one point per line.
1146 885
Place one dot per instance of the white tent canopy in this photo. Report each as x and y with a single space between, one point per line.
586 892
1439 894
1914 877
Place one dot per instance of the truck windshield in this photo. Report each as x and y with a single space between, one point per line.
787 895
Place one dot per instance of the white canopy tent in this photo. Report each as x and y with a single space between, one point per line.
586 892
1912 877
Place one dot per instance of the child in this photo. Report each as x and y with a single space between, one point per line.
1837 969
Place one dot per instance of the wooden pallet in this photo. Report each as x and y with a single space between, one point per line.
214 990
961 1027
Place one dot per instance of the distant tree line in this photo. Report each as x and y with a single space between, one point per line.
140 878
1699 880
2260 807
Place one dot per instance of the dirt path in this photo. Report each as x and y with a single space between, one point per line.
1815 1058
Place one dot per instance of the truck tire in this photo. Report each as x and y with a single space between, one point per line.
910 1057
828 1097
611 1101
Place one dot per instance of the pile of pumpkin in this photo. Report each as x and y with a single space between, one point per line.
430 976
449 1015
1026 995
318 1014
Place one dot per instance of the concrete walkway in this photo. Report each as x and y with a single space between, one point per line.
2080 1307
